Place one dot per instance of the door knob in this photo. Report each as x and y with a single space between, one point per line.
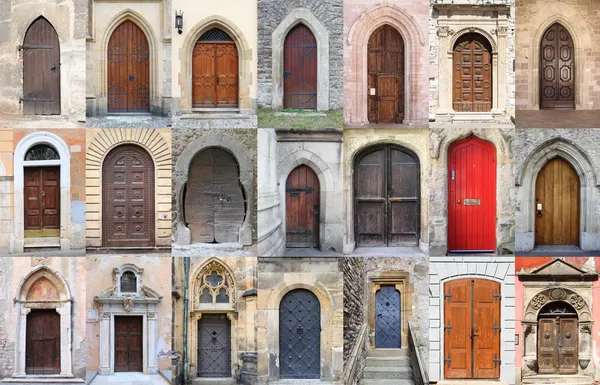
458 201
53 68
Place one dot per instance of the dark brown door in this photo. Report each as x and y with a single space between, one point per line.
472 76
128 198
42 202
386 76
215 205
41 69
128 69
557 191
557 69
42 344
472 329
128 343
387 197
300 69
302 208
558 345
215 71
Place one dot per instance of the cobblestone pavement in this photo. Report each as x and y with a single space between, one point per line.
145 121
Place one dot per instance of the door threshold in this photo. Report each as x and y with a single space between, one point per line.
215 380
43 379
41 242
215 110
129 250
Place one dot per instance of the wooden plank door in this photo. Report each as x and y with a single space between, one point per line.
42 201
42 345
300 69
370 190
557 193
557 69
486 329
385 68
403 198
547 346
128 343
302 196
472 196
472 74
214 346
128 59
457 329
41 69
214 203
128 198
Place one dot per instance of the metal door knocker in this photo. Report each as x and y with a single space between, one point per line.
299 330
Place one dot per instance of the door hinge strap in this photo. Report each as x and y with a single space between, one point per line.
497 296
448 295
448 360
497 328
33 46
305 233
497 361
307 190
447 327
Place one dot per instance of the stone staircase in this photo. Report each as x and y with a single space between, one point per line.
387 367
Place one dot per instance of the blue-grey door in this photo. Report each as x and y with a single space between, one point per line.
214 346
387 321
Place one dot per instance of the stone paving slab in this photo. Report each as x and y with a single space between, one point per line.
130 379
144 121
201 121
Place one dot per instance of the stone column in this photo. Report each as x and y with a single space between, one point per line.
444 70
105 342
500 100
20 364
65 339
529 365
152 320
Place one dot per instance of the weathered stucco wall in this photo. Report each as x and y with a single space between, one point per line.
7 232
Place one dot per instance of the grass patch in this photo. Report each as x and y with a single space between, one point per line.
300 119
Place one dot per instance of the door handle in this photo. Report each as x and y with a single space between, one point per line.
53 68
458 201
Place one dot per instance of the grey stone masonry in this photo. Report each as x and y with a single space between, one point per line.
354 318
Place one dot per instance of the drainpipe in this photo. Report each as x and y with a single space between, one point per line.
186 298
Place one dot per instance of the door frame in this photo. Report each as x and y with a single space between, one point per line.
194 333
145 341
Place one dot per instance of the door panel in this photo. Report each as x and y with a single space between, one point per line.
472 74
41 69
547 346
302 208
300 69
558 345
568 346
128 343
472 196
486 325
204 81
42 201
387 321
227 74
557 190
457 328
42 344
214 346
557 69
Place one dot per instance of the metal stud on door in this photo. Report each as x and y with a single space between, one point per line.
387 321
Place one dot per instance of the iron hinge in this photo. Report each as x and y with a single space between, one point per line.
497 328
447 327
298 190
497 296
305 233
497 361
448 295
448 360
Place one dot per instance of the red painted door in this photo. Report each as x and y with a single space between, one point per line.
472 196
300 69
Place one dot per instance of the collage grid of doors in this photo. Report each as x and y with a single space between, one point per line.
300 192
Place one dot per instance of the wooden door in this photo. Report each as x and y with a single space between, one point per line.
388 326
300 69
557 216
214 346
547 346
128 69
472 329
42 345
214 202
387 197
215 70
128 198
472 196
302 196
41 69
385 68
128 343
472 74
557 69
558 345
42 202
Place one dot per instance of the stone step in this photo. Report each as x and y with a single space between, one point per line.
224 110
555 379
213 381
388 361
387 373
42 380
387 353
387 382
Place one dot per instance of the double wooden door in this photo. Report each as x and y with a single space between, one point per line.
385 65
41 69
557 69
302 195
128 343
472 196
558 345
42 201
215 71
472 74
42 345
128 198
472 329
388 318
557 191
300 69
128 62
215 204
214 346
387 197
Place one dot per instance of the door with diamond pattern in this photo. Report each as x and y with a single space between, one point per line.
214 346
387 321
300 335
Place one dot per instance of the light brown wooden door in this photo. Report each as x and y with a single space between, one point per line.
472 74
42 346
128 343
385 68
302 208
42 202
557 216
472 329
558 345
557 69
215 71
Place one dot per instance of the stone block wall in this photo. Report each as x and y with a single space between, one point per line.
354 319
271 234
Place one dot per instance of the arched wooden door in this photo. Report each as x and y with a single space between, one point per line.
128 59
215 70
472 329
128 198
214 203
300 335
472 196
557 69
41 69
472 74
558 339
387 197
557 216
300 69
386 76
42 345
388 327
302 196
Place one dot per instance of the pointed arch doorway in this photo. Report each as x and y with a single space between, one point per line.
557 69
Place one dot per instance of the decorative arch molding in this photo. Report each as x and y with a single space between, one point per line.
557 294
45 272
441 140
229 284
306 17
488 36
358 41
181 175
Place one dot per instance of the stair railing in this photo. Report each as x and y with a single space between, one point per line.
419 373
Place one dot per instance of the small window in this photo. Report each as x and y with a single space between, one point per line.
128 282
215 34
222 297
214 279
206 297
42 152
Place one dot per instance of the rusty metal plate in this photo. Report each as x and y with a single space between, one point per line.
472 202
